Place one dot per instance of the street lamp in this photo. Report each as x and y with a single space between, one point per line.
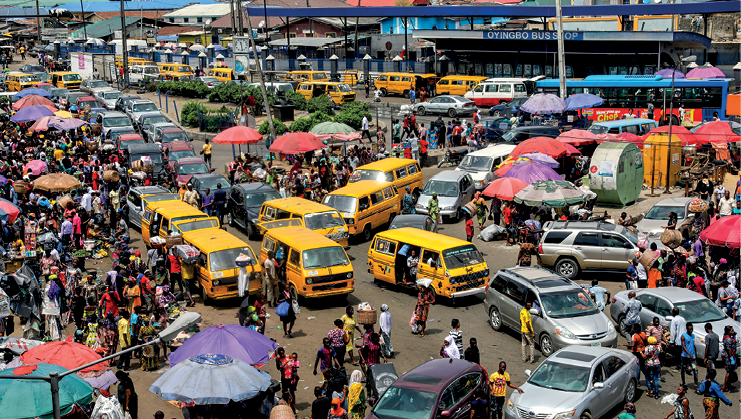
691 59
186 320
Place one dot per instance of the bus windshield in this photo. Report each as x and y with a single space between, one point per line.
341 203
320 220
225 259
324 258
378 175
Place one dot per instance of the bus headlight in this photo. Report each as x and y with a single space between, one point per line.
216 283
256 275
309 281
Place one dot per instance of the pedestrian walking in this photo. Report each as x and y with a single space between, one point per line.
729 355
712 344
206 152
350 325
127 396
681 406
124 336
408 202
270 279
631 312
481 209
676 328
338 340
412 95
320 406
449 350
526 330
421 310
455 332
290 318
630 411
365 127
469 227
433 207
712 396
653 366
324 358
384 323
637 345
367 89
498 383
688 359
356 396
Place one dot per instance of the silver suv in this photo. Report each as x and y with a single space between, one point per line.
574 246
563 314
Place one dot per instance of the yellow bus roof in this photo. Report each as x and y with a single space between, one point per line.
301 238
63 72
396 73
423 238
213 240
361 187
479 78
174 206
300 205
387 164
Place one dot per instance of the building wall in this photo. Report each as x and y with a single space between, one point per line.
321 30
203 39
192 20
396 25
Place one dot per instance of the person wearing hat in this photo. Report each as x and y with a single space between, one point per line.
190 196
630 411
651 354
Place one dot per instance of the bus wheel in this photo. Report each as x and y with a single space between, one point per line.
367 235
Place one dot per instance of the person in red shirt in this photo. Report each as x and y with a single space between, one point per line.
110 301
96 179
469 228
457 130
175 272
507 211
423 145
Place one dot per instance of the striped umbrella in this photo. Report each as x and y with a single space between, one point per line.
550 193
544 103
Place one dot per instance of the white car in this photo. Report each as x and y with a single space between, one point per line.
108 98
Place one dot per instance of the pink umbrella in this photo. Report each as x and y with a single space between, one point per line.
42 124
36 167
577 137
705 73
238 135
32 100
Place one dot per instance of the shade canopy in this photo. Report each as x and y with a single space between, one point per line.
667 73
718 131
532 172
550 193
232 340
724 232
56 182
504 188
31 113
545 145
32 100
544 103
238 135
577 137
296 142
329 127
684 135
8 211
69 355
632 138
582 101
36 167
705 73
67 123
32 91
541 158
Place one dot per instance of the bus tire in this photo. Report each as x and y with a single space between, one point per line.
367 233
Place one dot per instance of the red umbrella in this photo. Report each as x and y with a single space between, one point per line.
296 142
571 150
32 100
724 232
632 138
238 135
504 188
65 354
545 145
684 135
718 131
601 138
577 137
503 169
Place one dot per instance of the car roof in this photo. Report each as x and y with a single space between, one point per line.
143 148
543 279
673 202
449 175
582 225
147 190
171 130
410 217
361 187
130 137
434 240
494 150
674 294
387 164
300 205
179 145
189 160
582 356
87 97
254 187
534 128
152 113
136 101
302 238
435 375
208 175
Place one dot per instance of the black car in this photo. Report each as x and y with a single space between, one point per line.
123 100
522 133
420 221
506 108
245 202
31 68
204 181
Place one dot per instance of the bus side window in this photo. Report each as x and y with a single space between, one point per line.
388 193
268 244
202 260
401 173
282 215
389 176
431 258
413 169
363 203
376 198
294 259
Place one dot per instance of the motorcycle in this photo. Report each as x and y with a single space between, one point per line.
453 156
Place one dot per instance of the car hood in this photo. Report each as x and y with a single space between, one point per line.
475 174
183 178
545 400
253 212
651 227
584 325
444 201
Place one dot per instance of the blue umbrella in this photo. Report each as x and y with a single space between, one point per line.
32 91
211 379
581 101
544 103
31 113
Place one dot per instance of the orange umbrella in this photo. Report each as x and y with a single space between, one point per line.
504 188
69 355
32 100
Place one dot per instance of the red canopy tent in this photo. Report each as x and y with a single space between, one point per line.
718 131
684 135
577 137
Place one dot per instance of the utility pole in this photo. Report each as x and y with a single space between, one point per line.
258 65
125 62
561 54
38 22
311 22
231 6
84 25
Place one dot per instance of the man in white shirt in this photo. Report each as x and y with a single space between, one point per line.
384 321
725 205
86 201
365 128
719 192
270 280
677 327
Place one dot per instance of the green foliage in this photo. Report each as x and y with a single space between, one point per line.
352 114
320 104
297 100
189 113
194 89
215 122
235 93
280 127
306 124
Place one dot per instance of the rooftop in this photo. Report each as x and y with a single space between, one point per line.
114 6
104 27
201 10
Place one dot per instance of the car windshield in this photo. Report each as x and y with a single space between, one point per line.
174 136
125 144
149 120
181 154
566 304
97 83
74 77
661 212
184 69
145 107
116 121
211 182
156 158
509 136
35 68
225 259
209 79
58 92
197 225
112 95
151 70
441 188
163 197
28 79
254 200
344 87
405 403
91 103
558 376
192 169
320 220
364 174
341 203
324 257
599 129
631 236
476 163
700 311
462 256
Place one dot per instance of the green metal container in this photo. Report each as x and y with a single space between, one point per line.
616 173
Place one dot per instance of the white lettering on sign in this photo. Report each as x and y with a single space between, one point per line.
533 35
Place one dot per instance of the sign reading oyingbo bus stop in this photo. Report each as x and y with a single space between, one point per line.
534 35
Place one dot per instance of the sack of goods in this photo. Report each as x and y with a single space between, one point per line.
139 175
111 176
243 260
137 166
648 258
671 238
108 147
174 240
366 314
157 241
148 167
63 201
187 253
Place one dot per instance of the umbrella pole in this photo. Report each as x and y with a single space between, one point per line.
234 155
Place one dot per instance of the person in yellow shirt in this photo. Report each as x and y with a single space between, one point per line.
498 383
528 336
58 154
207 153
124 335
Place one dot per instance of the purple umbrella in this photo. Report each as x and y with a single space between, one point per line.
231 340
705 73
532 172
3 180
31 113
540 158
667 73
103 381
67 123
543 103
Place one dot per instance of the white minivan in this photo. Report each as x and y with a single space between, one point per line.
481 164
143 72
492 92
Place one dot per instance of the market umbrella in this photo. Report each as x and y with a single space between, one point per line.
36 167
705 73
577 137
296 142
543 103
532 172
504 188
32 100
31 113
545 145
67 123
550 193
724 232
8 211
581 101
238 135
667 73
42 124
63 114
3 180
69 355
571 150
22 399
197 48
56 182
632 138
102 381
684 135
718 131
541 158
329 127
211 379
18 345
232 340
32 91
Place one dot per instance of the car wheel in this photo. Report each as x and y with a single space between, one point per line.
383 92
294 293
567 267
420 111
252 232
630 391
451 112
622 327
406 94
585 415
367 235
205 297
495 318
230 219
496 112
546 345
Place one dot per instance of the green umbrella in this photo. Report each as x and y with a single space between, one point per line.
329 128
21 399
550 193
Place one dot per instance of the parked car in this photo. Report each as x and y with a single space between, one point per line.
123 100
209 81
454 189
125 140
32 68
147 119
576 382
562 314
245 201
653 222
167 134
184 169
575 246
440 388
138 107
506 108
135 200
659 302
151 134
201 182
420 221
110 120
108 98
175 151
450 105
90 85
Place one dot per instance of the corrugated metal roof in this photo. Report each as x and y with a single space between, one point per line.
15 11
114 6
104 27
201 10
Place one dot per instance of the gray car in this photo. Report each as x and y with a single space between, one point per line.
562 314
454 189
654 220
89 86
135 200
419 221
111 120
659 302
108 97
450 105
576 382
137 108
